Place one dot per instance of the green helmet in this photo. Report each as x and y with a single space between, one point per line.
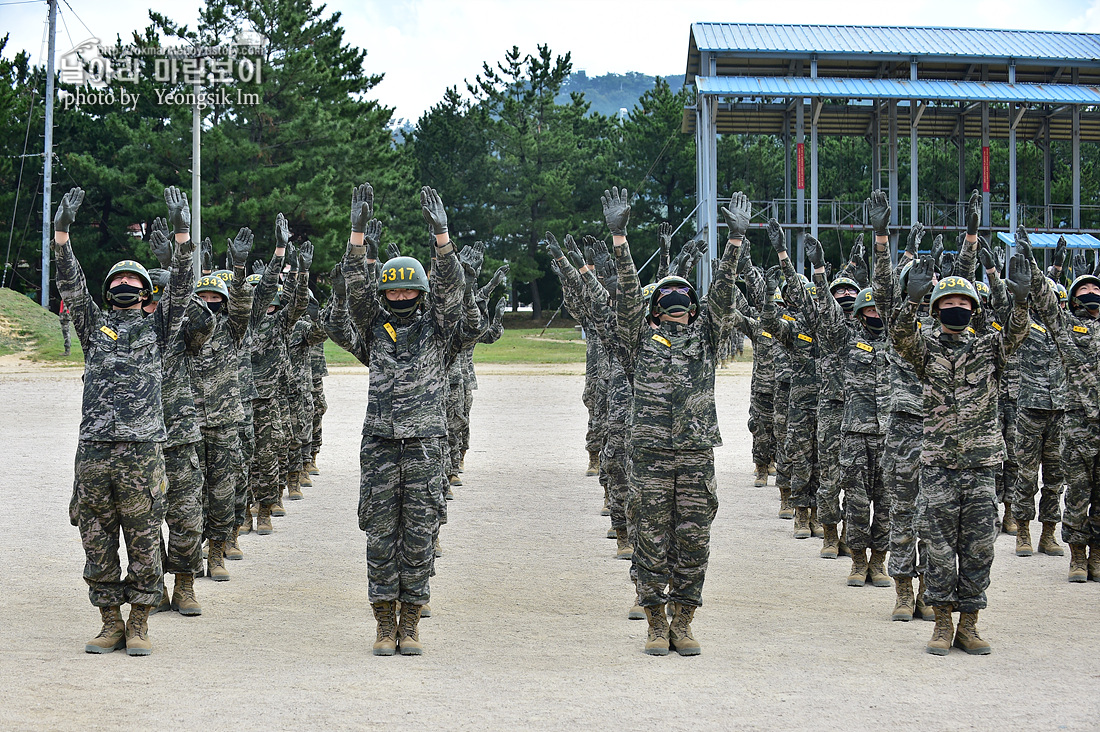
903 278
673 281
212 283
865 299
226 275
1072 287
131 267
954 286
1063 294
777 296
277 301
983 290
840 281
160 279
648 290
809 286
403 273
253 279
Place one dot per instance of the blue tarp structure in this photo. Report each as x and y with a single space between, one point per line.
1050 241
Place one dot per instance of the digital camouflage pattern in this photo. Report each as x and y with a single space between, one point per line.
216 367
177 398
183 513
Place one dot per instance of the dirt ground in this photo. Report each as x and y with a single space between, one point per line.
529 627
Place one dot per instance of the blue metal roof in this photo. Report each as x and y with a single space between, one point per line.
1050 241
923 42
930 90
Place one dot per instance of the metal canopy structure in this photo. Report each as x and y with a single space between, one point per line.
803 81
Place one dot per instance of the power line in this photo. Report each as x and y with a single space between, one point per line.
18 188
21 2
70 7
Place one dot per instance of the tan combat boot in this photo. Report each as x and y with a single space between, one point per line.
304 480
830 545
1048 544
215 564
183 596
385 613
636 612
1078 563
680 638
311 467
137 632
425 611
165 604
408 637
967 638
802 523
454 479
786 510
771 468
842 549
437 547
876 569
462 462
623 548
923 608
263 521
816 529
657 638
606 509
940 644
246 527
277 509
1094 561
1023 539
761 476
293 487
593 464
858 576
903 608
1008 524
232 548
611 533
113 634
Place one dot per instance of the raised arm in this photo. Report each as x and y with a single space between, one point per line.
87 317
629 308
907 341
968 250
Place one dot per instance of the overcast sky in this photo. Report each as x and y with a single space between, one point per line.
424 46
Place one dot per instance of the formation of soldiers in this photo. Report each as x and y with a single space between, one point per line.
203 404
896 409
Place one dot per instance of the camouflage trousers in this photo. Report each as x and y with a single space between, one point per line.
1081 461
286 436
402 491
120 487
960 511
66 319
320 406
781 403
184 510
901 476
800 451
677 500
861 471
762 423
219 453
830 415
266 459
614 476
595 398
457 422
301 436
1038 439
1006 476
246 432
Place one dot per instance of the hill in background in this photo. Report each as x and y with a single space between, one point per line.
611 92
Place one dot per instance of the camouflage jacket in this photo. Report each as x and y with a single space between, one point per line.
794 330
1078 342
1042 378
764 347
830 367
906 390
317 363
123 351
269 332
961 374
339 328
216 367
672 365
177 397
298 344
407 356
620 395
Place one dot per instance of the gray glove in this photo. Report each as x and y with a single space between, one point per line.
937 248
616 210
814 253
158 242
999 258
474 255
431 206
291 258
773 278
664 236
207 255
737 216
857 262
920 279
686 259
372 237
1060 251
878 211
554 248
574 252
502 305
282 232
339 286
973 213
66 210
986 258
259 268
179 213
392 251
1023 243
499 276
362 207
947 264
305 256
916 235
1019 278
1080 263
241 247
777 236
600 255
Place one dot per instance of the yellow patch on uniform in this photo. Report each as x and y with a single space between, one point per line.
1080 329
996 325
788 317
804 337
391 331
766 334
110 333
866 347
662 339
971 330
1038 327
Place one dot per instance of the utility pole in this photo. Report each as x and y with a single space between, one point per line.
196 182
47 162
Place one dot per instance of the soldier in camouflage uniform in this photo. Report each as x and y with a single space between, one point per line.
299 342
1077 335
406 337
781 401
120 480
318 371
960 370
674 426
294 400
65 319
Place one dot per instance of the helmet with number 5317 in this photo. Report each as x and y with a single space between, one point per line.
403 273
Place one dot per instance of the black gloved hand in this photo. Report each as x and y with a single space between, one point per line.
616 210
814 253
1080 263
158 242
282 232
777 236
878 212
207 255
66 210
664 236
362 207
574 252
305 256
1023 243
554 248
737 216
937 248
947 264
920 279
500 276
431 206
339 286
973 213
916 236
291 258
1019 277
372 238
773 278
392 250
1060 251
986 258
259 268
240 247
999 258
179 213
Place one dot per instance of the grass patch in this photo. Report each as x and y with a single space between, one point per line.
27 328
558 345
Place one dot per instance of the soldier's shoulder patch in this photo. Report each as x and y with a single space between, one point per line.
804 337
391 331
662 339
110 333
788 317
1080 329
865 346
766 334
973 332
919 325
1038 327
996 325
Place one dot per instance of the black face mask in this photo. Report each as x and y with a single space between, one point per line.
1089 300
873 324
215 307
403 308
955 318
674 304
124 296
847 302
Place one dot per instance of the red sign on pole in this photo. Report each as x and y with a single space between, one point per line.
985 170
801 166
